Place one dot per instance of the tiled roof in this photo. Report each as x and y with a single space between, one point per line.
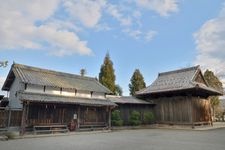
181 79
127 100
48 98
44 77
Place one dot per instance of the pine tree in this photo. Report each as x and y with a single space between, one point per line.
214 82
137 82
106 75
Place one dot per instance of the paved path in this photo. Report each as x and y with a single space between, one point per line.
145 139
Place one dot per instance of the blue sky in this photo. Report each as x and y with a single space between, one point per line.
151 35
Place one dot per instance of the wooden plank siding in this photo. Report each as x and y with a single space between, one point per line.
15 118
126 110
182 110
46 114
3 118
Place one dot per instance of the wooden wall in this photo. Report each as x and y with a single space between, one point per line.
201 110
15 118
93 115
3 118
63 114
50 114
126 109
182 110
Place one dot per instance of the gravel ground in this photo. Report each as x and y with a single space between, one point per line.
145 139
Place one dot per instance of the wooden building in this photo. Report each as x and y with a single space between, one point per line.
54 99
181 97
127 104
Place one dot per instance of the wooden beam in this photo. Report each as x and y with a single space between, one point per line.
78 117
109 117
192 113
23 121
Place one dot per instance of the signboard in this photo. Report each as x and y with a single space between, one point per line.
74 116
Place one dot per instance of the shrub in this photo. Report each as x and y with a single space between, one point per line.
116 119
135 118
148 117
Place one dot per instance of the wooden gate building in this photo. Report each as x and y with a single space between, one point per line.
181 97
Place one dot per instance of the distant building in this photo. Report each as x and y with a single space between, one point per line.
181 97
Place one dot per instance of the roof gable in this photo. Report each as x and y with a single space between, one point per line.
199 78
45 77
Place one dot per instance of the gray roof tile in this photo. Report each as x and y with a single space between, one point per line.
49 98
38 76
181 79
127 100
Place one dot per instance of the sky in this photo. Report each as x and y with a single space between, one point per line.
150 35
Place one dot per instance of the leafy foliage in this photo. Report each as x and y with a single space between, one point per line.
119 90
106 75
215 83
135 118
116 119
137 82
148 117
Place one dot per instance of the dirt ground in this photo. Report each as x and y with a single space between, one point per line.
143 139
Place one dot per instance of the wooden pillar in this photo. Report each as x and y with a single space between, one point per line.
78 117
23 121
9 117
210 112
109 117
191 112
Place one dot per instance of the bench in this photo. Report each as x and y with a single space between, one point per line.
93 126
52 128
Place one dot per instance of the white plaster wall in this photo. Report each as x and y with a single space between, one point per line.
83 94
34 88
14 102
68 92
52 90
98 95
65 92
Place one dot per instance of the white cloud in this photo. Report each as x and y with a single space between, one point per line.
150 35
88 12
64 42
53 26
210 45
2 80
115 12
138 34
162 7
18 29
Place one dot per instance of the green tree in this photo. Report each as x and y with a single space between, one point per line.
214 82
119 90
135 118
148 117
106 75
137 82
116 119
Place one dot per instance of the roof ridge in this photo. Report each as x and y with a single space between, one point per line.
179 70
49 71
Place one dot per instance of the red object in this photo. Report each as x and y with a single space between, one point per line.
72 126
